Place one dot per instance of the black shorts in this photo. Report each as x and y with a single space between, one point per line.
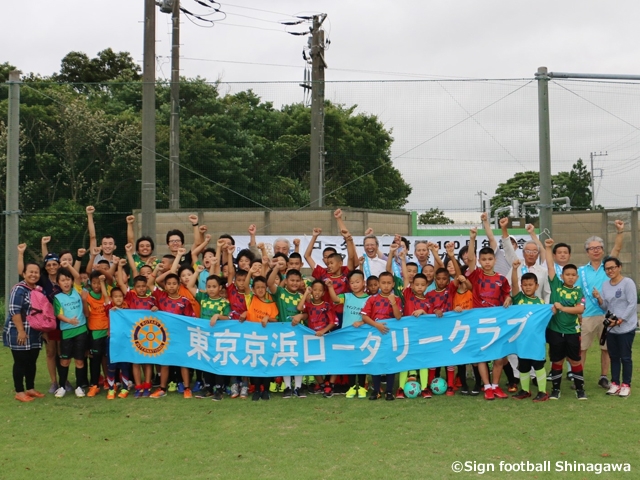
563 345
99 346
74 347
525 364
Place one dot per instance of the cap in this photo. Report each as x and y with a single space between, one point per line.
51 257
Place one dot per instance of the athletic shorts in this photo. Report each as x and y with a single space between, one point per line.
563 345
99 346
525 364
591 330
54 336
74 347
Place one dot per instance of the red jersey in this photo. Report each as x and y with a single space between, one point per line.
320 316
412 302
237 301
340 283
488 290
441 299
178 306
135 302
378 307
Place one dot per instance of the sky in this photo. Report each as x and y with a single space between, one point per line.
413 63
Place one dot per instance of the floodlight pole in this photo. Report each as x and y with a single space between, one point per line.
544 145
174 138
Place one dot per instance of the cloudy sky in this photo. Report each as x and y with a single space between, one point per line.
453 137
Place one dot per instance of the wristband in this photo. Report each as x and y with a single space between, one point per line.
195 224
78 259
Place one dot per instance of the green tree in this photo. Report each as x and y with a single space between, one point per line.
77 68
575 184
434 216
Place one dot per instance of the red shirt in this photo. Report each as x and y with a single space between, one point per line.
135 302
412 302
378 307
340 283
320 315
178 306
441 299
488 290
237 301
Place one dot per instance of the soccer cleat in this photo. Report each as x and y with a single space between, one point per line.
498 393
328 391
389 396
273 387
124 393
426 393
374 396
604 382
23 397
54 386
521 395
450 392
400 394
180 387
197 386
234 390
244 391
489 393
60 392
93 391
138 393
475 391
286 393
614 389
581 395
217 396
315 390
80 392
512 387
541 397
204 393
362 392
172 387
625 390
265 395
146 393
187 393
111 395
555 394
298 392
159 393
352 392
256 396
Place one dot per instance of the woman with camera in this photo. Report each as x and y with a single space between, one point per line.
619 298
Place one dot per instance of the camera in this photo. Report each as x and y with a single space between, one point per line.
610 321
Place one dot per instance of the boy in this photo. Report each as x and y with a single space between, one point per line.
379 307
563 331
526 295
373 285
68 308
98 323
489 289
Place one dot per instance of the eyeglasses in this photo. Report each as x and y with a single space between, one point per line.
611 269
175 241
594 249
531 252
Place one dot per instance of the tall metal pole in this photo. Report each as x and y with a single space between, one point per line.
13 162
546 207
149 121
317 112
174 139
593 188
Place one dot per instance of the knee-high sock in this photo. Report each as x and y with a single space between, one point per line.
541 376
63 372
81 376
578 377
424 378
556 375
525 382
402 379
451 373
432 375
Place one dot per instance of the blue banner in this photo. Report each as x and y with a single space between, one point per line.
249 349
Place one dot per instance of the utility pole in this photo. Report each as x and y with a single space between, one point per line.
593 181
480 194
148 202
174 138
544 146
317 112
12 213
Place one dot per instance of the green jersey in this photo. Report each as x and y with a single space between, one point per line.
522 299
212 306
563 322
287 303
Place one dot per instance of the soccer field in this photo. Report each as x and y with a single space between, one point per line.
313 437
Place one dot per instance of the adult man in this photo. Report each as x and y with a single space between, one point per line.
504 256
531 265
592 276
373 264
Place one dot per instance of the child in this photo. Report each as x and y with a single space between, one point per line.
261 309
353 303
526 295
489 289
373 285
462 300
98 323
68 308
563 331
378 308
287 299
116 302
321 318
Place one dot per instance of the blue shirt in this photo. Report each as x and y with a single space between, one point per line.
588 279
352 307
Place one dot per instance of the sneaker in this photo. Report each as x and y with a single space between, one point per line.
60 392
187 393
475 391
204 393
362 392
146 393
256 396
521 395
80 392
315 390
625 390
555 394
244 391
541 397
389 396
68 387
138 393
265 395
464 389
105 385
426 393
286 393
374 396
450 392
197 387
234 390
172 387
180 387
216 396
498 393
604 382
581 395
352 392
614 389
273 387
54 387
400 394
158 393
512 387
111 395
298 392
124 393
489 393
93 391
328 392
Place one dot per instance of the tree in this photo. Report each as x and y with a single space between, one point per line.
575 184
78 68
434 216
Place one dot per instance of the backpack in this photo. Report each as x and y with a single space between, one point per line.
41 316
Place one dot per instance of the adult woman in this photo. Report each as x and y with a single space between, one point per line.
619 296
24 342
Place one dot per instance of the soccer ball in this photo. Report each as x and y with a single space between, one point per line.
438 386
411 389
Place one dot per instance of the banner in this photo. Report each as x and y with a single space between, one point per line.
249 349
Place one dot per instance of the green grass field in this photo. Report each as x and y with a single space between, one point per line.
310 438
